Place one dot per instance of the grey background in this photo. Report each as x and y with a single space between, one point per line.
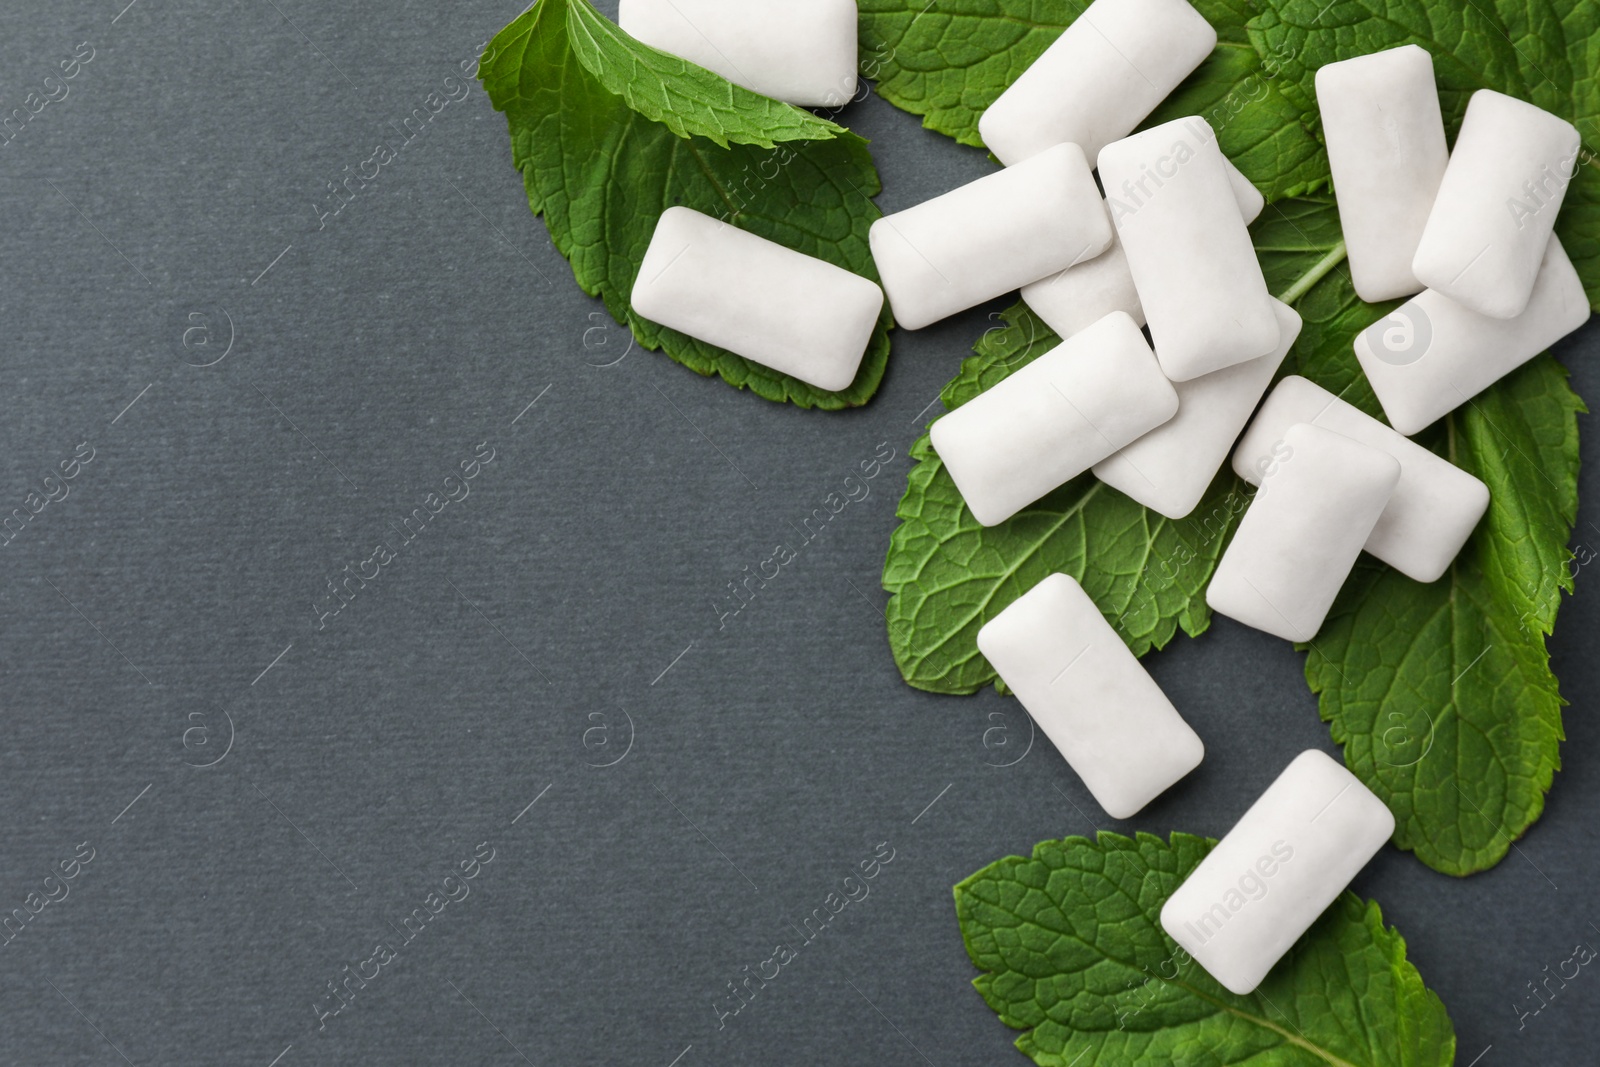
576 580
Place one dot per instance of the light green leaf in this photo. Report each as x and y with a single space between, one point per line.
582 101
1073 953
689 100
949 575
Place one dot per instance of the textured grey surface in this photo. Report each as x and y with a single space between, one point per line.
140 613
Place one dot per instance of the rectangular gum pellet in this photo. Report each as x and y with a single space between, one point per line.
1053 419
1080 296
1387 151
772 305
1169 469
801 53
1099 79
1194 267
1071 299
1435 505
990 236
1099 707
1251 202
1277 870
1431 355
1497 204
1302 533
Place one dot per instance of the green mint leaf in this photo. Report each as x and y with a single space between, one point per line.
948 575
1302 254
1461 748
689 100
948 67
1073 953
1262 132
607 134
1442 694
1545 53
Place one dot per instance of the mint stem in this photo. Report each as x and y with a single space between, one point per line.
1318 271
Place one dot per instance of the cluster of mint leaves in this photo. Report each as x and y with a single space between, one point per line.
608 133
1441 695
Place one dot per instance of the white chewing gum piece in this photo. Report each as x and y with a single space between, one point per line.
1080 296
1431 355
1277 870
772 305
1387 151
1169 469
1188 249
801 53
1435 506
990 236
1101 709
1055 418
1071 299
1251 202
1105 73
1508 174
1301 534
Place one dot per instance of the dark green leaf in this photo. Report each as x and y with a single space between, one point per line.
950 575
1442 694
583 101
1073 953
1547 53
949 61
